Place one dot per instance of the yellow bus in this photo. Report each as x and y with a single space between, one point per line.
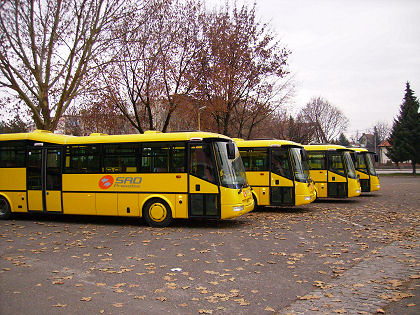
277 171
157 176
332 170
365 169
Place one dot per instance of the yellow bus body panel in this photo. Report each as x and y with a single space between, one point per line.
128 202
12 179
258 178
181 206
35 200
232 198
79 203
205 186
320 178
17 200
106 204
354 188
282 181
336 178
374 183
263 195
362 175
149 182
304 193
53 199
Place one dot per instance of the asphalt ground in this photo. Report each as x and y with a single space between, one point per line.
353 256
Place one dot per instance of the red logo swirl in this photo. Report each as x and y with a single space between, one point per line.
106 182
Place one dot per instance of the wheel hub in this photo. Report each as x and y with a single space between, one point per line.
157 212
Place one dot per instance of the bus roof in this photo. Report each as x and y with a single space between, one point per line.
265 143
47 136
324 147
362 150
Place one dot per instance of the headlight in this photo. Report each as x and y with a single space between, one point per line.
308 198
358 191
239 208
378 186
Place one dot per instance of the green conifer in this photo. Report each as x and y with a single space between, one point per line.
405 134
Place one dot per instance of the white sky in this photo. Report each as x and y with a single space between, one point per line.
358 54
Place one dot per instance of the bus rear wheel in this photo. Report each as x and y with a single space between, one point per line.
4 209
157 213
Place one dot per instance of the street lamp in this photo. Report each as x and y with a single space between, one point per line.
199 111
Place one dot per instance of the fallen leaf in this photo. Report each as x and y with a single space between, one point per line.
117 305
60 305
86 299
310 297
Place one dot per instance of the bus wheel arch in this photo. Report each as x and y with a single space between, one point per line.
5 208
256 203
157 212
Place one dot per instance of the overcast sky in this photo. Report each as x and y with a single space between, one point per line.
358 54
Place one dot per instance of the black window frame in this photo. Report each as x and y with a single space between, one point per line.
265 168
324 165
19 150
68 170
290 174
171 145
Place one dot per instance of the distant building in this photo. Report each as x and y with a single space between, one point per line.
383 150
367 141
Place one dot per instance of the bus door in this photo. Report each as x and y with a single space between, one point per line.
204 195
44 179
337 178
281 182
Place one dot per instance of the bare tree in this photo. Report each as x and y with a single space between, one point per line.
242 62
383 131
155 70
48 48
259 109
328 121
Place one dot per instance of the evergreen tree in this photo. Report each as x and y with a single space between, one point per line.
342 140
405 134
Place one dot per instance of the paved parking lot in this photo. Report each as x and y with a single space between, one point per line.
352 256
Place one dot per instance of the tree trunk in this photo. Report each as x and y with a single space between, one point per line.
413 164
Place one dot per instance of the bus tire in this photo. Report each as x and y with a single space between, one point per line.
256 206
157 213
4 209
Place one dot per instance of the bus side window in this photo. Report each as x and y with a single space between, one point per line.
336 164
255 159
202 164
280 163
120 158
82 159
316 160
12 154
163 157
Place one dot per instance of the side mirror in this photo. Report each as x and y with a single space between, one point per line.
230 148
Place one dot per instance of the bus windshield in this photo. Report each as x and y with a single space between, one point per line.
351 172
369 163
360 162
300 166
232 172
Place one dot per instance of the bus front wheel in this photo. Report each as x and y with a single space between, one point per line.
4 209
157 213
